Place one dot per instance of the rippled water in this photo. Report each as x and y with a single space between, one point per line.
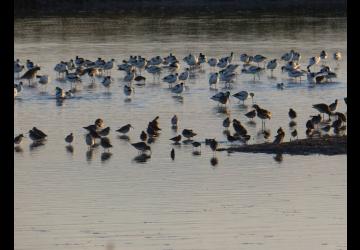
81 200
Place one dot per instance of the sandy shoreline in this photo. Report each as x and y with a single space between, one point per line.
326 145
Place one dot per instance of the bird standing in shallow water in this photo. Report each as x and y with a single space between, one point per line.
18 139
251 114
174 121
69 139
105 143
213 145
292 113
176 139
141 147
124 129
143 136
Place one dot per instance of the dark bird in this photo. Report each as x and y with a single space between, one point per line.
294 133
309 125
105 143
345 100
266 134
174 121
124 129
91 127
292 124
172 154
30 74
94 134
143 136
141 146
292 114
188 133
251 114
279 138
18 139
239 129
280 130
35 136
333 106
262 113
69 139
336 124
39 132
196 144
341 116
316 119
226 123
90 141
322 108
231 138
245 138
104 132
139 78
309 132
151 131
213 145
176 139
326 128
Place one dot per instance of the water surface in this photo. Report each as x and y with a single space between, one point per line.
79 200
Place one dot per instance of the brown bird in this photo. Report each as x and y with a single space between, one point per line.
188 133
18 139
262 114
143 136
30 74
176 139
333 106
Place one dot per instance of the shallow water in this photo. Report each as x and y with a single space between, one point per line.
85 200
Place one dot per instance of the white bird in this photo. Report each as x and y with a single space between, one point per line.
242 96
214 79
178 88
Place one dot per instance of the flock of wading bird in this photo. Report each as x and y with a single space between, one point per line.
73 71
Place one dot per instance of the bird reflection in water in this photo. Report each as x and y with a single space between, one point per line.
221 110
178 98
70 149
18 149
278 157
214 161
36 144
124 137
89 155
142 158
105 156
